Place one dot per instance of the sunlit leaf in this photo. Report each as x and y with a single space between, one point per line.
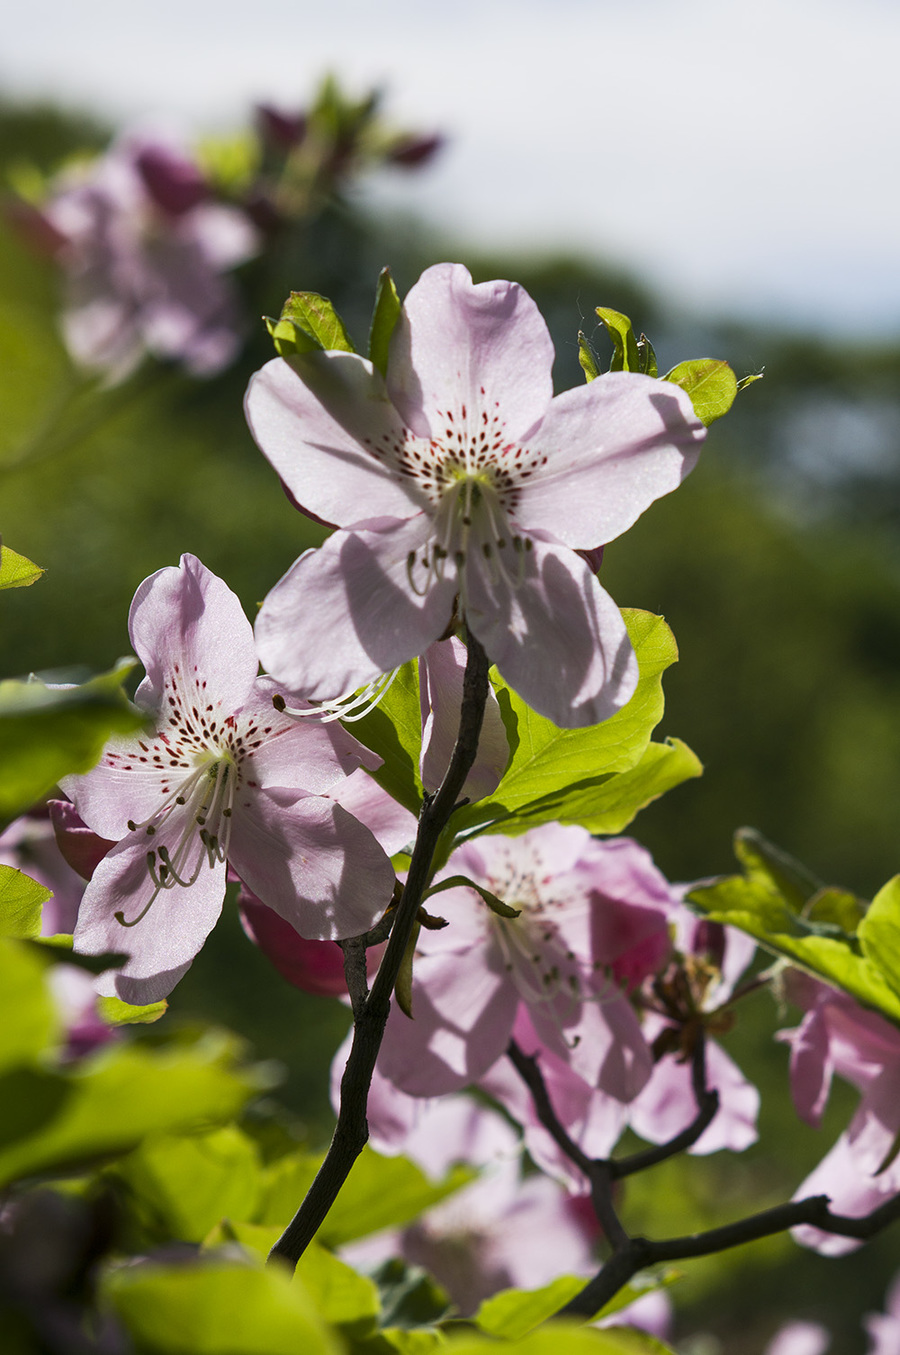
709 382
21 902
626 357
47 732
15 570
393 730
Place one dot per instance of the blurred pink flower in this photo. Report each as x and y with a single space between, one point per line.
145 250
460 482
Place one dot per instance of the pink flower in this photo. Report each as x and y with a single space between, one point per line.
145 250
584 906
884 1328
459 482
224 776
441 672
29 844
838 1036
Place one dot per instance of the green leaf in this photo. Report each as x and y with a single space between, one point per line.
341 1295
746 381
566 1338
626 357
178 1187
586 358
29 1021
709 382
115 1012
393 730
215 1308
15 570
410 1297
496 905
315 318
515 1312
861 965
548 763
647 356
289 339
384 320
381 1192
126 1092
49 732
879 933
21 902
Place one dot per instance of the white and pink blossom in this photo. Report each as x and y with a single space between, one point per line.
223 777
463 490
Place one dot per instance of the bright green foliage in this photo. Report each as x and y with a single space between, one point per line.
112 1101
115 1012
179 1187
709 382
565 774
48 732
515 1312
393 730
781 905
626 357
341 1295
586 358
15 570
564 1338
384 320
28 1017
216 1308
308 323
381 1192
21 900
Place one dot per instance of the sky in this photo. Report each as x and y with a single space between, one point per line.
742 158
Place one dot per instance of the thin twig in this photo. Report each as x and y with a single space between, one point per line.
352 1131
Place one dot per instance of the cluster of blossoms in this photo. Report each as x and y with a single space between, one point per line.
466 500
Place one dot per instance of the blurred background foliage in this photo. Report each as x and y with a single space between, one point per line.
777 566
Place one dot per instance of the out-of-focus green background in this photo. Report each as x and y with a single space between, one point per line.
776 565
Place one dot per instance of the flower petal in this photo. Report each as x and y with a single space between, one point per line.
441 672
162 944
186 622
301 753
558 638
612 448
346 613
311 861
320 419
461 344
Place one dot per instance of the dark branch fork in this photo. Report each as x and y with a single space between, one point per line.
632 1254
371 1009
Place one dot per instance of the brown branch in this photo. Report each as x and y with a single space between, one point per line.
352 1130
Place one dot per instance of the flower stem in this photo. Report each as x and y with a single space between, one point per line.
352 1130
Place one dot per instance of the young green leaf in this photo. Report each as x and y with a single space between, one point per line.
709 382
393 730
47 732
315 316
15 570
586 358
626 357
384 320
21 901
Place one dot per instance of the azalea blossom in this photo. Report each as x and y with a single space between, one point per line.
463 491
585 907
223 777
837 1035
145 251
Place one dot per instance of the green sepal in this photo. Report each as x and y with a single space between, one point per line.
15 570
384 320
496 905
586 358
49 732
626 357
21 903
709 382
308 323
